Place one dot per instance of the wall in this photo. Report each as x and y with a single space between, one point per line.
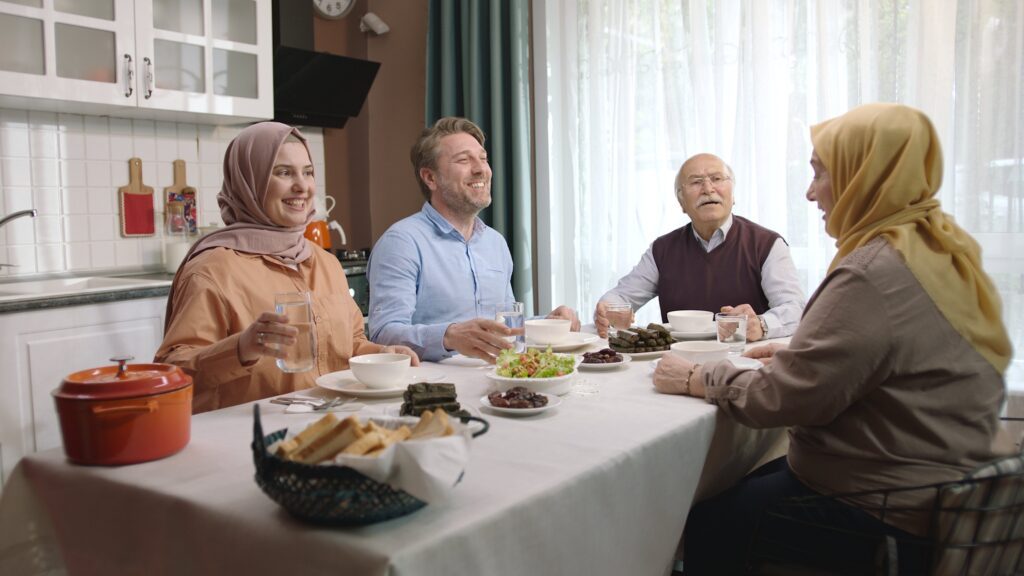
69 168
367 161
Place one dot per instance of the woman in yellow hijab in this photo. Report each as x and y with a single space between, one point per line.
893 379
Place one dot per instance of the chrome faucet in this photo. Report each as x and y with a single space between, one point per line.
14 216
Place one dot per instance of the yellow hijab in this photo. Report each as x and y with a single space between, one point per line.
885 164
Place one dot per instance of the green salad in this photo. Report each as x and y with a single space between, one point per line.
533 364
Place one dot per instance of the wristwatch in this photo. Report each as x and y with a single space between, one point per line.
764 326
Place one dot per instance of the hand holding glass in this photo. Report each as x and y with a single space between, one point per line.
620 317
511 314
300 356
732 330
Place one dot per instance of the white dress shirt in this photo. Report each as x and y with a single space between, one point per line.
779 282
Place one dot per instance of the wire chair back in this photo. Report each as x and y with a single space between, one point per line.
975 528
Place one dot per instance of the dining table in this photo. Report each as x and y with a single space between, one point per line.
600 484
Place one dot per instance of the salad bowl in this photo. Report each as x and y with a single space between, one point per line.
544 372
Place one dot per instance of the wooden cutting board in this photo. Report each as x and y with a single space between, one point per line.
184 194
136 200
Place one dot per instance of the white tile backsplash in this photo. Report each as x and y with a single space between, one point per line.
14 143
49 258
16 172
74 201
46 200
101 201
45 172
101 254
69 167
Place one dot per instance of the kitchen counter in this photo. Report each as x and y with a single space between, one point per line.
158 285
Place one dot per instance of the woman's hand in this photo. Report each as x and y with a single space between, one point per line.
415 359
764 353
672 374
269 335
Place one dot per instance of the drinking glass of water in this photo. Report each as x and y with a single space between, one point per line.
732 330
296 306
511 313
620 317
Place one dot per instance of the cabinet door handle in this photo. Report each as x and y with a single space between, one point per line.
149 77
129 76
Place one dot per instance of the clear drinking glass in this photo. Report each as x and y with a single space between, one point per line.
511 313
620 317
296 306
732 330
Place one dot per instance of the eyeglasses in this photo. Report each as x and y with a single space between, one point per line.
716 181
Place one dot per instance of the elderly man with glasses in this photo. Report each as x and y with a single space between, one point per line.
718 262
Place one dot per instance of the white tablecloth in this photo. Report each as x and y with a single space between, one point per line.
600 485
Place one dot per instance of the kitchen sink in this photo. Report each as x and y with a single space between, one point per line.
38 289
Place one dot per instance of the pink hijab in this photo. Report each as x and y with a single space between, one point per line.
247 166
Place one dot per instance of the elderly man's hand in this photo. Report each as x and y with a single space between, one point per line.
672 373
566 313
764 353
754 332
415 359
479 338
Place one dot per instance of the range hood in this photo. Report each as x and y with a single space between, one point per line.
314 88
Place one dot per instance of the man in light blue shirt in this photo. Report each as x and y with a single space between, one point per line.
438 277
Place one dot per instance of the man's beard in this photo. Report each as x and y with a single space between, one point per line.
459 202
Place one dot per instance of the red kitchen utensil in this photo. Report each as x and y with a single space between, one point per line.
137 218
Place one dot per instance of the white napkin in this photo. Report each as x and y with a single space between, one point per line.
426 469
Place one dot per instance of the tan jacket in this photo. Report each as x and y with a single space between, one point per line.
222 292
878 389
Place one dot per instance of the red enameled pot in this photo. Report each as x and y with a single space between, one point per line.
124 414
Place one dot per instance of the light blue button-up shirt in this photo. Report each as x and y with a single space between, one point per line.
424 276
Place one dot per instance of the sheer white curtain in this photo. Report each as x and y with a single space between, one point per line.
628 89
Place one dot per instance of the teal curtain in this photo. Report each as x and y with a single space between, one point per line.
478 67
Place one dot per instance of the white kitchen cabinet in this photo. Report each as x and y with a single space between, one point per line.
186 60
38 348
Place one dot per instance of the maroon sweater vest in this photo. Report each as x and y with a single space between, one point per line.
691 279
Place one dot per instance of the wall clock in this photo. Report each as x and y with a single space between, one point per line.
333 9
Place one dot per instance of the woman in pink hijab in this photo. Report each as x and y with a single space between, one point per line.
221 327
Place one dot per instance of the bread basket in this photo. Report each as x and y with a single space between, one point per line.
330 495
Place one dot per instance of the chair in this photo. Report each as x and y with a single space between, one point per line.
976 527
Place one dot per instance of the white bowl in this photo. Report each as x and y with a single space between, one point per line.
547 331
691 320
380 370
557 385
700 351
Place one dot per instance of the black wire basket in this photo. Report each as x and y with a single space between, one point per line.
329 495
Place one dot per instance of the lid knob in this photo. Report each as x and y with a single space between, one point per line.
121 362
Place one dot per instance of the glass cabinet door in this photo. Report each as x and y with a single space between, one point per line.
210 56
67 50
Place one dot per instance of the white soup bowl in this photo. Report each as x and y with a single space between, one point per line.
547 330
701 351
691 320
380 370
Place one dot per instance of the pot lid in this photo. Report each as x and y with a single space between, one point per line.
122 381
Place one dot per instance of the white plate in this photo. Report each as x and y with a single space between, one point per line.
737 361
553 401
746 363
626 359
344 381
699 335
644 355
555 385
572 342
